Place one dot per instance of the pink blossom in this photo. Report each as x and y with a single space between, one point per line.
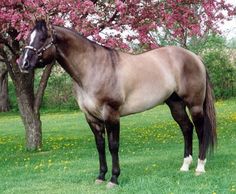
141 17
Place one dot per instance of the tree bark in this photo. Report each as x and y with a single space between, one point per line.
32 123
31 119
4 100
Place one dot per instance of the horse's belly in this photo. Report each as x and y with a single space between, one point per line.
142 100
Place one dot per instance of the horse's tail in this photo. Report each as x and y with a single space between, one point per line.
210 135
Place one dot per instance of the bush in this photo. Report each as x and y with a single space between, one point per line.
59 93
222 73
219 62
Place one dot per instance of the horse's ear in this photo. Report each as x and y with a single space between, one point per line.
47 20
48 24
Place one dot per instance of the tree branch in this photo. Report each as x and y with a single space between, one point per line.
42 87
102 26
15 43
4 42
94 1
4 58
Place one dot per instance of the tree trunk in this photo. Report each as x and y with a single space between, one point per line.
30 117
32 123
31 120
4 100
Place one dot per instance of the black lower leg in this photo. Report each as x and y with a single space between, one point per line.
99 134
188 139
178 112
199 124
198 121
113 132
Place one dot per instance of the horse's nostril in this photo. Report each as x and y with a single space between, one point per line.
26 64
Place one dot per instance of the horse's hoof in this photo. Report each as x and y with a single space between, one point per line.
99 181
111 185
198 173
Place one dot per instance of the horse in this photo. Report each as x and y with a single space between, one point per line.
111 84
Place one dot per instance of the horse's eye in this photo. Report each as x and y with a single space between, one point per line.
41 40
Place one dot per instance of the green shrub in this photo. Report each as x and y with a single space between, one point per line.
59 93
222 73
219 62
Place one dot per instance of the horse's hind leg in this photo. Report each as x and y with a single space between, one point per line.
198 120
178 111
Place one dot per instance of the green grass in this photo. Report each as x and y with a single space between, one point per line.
150 156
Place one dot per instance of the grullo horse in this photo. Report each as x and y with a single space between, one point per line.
111 84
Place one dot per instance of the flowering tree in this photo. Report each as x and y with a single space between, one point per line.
114 23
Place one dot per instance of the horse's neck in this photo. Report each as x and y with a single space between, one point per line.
72 52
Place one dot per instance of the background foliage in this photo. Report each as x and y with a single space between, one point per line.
220 61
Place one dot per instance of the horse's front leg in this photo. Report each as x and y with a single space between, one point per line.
98 130
113 133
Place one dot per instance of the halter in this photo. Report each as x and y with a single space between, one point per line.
40 51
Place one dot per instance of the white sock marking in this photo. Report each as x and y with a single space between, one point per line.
187 161
201 166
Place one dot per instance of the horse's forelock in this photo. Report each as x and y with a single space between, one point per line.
41 25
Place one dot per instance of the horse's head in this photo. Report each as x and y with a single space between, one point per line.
40 50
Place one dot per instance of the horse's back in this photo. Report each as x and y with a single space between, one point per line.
148 79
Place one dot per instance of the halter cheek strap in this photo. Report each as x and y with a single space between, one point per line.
41 50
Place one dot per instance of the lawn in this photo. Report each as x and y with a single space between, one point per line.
151 154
